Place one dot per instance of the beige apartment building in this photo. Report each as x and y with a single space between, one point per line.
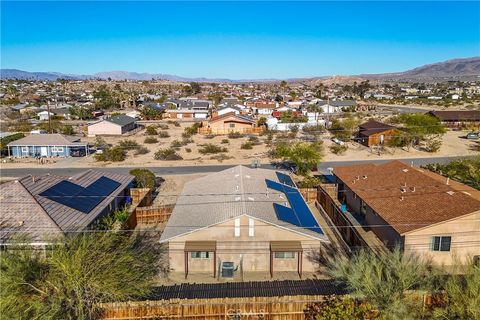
238 217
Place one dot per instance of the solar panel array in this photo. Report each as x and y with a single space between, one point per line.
299 213
79 198
285 179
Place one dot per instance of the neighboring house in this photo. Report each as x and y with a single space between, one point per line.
424 213
230 122
186 108
47 145
457 118
253 219
44 115
228 109
19 107
63 112
49 206
116 125
335 106
374 133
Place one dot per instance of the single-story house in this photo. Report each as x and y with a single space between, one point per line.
335 106
458 118
374 133
230 122
228 109
47 145
44 115
252 220
115 125
186 114
50 206
422 212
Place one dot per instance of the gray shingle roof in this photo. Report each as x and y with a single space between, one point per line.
225 195
21 201
53 139
121 120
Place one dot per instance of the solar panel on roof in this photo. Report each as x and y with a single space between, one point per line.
79 198
299 213
285 179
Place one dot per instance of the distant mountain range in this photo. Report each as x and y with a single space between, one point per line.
468 68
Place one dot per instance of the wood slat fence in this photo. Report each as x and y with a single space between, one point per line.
309 194
271 308
153 214
224 131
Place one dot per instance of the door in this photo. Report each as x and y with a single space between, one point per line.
43 151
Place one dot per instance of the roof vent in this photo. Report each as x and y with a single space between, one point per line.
364 177
237 188
412 189
450 193
237 175
405 170
251 199
401 198
248 177
403 190
21 223
238 198
448 180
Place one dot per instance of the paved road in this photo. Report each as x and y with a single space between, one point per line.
19 172
401 108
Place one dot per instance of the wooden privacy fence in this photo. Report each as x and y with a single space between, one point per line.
309 194
271 308
153 214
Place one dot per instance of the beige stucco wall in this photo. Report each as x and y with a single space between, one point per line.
253 250
465 233
104 127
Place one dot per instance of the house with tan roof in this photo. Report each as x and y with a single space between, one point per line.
231 122
242 219
424 213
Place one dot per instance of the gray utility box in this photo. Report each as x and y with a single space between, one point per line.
227 269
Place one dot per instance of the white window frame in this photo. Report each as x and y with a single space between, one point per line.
57 149
251 227
237 227
200 255
441 239
24 149
284 255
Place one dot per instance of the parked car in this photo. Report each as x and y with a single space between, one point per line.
473 135
338 141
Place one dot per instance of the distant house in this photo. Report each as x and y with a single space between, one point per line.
44 115
52 206
457 118
261 224
374 133
421 212
19 107
186 108
228 109
335 106
230 122
47 145
116 125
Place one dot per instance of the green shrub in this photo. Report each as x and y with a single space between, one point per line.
235 135
141 150
167 154
224 141
253 139
333 307
338 149
246 146
151 131
163 134
220 157
211 148
150 140
176 144
186 135
128 144
209 136
192 130
188 150
163 126
115 154
143 178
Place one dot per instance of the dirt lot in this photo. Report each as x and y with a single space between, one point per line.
453 145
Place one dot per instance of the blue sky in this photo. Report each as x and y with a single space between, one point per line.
236 40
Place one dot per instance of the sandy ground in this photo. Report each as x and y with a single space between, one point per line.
171 187
453 145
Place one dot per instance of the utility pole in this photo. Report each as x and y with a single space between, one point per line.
49 123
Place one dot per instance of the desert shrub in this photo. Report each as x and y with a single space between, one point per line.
115 154
163 134
247 145
209 136
211 148
338 149
225 141
167 154
176 123
143 178
67 130
176 144
128 144
186 135
309 182
150 140
186 141
433 145
333 307
163 126
141 150
188 150
220 157
193 129
151 131
253 139
235 135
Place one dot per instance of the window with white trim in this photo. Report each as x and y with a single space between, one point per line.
251 227
231 125
200 254
57 149
441 243
237 227
284 255
24 149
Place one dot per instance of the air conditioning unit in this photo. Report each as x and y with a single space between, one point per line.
228 269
